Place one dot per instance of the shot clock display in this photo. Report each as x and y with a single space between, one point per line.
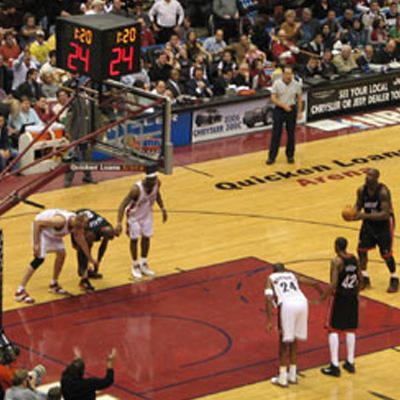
99 46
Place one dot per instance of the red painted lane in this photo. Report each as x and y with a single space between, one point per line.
184 335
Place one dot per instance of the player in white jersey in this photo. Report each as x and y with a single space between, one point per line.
48 229
283 290
138 207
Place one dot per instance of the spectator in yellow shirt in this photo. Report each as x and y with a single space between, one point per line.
39 48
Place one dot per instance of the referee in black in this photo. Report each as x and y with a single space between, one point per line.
288 100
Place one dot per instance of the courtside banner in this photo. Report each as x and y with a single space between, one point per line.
361 93
231 119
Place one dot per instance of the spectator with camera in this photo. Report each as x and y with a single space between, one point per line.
24 386
74 386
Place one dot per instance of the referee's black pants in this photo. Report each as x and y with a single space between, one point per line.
164 34
281 117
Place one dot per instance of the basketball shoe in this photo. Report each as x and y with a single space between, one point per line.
393 285
144 268
349 367
23 297
57 289
136 272
331 370
85 284
276 380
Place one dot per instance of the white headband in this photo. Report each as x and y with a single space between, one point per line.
152 175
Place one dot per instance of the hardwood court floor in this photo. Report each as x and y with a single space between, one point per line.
242 208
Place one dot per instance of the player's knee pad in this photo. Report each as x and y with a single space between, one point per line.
37 262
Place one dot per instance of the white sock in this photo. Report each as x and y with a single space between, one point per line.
143 261
393 275
136 263
21 288
365 273
53 282
351 346
334 348
292 372
283 375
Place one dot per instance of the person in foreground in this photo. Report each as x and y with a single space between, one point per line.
283 290
75 387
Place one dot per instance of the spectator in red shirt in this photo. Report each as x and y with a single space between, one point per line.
147 35
10 49
378 34
283 50
43 110
6 375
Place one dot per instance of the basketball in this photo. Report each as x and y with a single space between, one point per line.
348 213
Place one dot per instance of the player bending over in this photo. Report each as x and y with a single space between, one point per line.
49 228
283 290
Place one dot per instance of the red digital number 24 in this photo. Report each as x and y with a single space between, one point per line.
122 56
78 54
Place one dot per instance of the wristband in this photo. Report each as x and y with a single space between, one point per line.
269 292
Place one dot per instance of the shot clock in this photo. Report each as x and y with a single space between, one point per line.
99 46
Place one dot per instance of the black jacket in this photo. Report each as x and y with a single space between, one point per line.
4 139
192 89
32 90
6 78
175 87
158 73
85 389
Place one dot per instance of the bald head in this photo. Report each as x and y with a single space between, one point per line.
372 177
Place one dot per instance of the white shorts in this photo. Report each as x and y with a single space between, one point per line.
294 320
49 244
140 227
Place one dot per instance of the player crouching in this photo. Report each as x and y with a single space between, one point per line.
283 290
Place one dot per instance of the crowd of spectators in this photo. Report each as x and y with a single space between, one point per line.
19 383
192 49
